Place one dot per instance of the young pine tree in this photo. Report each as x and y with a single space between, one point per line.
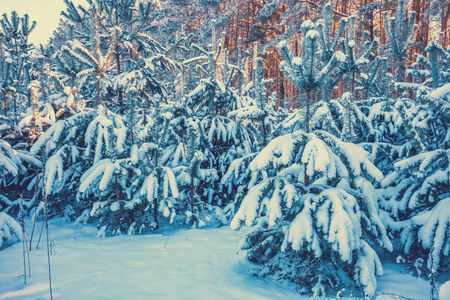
310 233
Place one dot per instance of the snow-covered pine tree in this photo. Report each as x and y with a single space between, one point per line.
17 168
151 74
191 176
97 61
137 41
114 173
374 79
329 44
139 187
223 139
17 62
66 67
416 192
429 118
395 132
38 117
63 145
195 166
119 13
137 55
401 30
159 187
263 111
353 124
321 235
309 73
210 94
42 72
417 197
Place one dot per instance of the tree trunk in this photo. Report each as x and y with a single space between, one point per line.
401 70
264 130
444 22
308 101
118 63
15 109
1 53
155 206
155 213
192 193
5 103
282 92
98 88
120 92
117 188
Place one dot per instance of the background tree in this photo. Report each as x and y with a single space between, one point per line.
16 60
401 30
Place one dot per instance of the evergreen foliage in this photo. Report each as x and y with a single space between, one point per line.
310 73
135 120
10 230
401 31
294 237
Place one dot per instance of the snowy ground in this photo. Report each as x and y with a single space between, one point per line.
183 264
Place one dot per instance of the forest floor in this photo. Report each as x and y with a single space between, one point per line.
179 264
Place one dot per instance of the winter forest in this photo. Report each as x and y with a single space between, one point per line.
324 126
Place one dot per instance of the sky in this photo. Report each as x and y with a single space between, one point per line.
45 12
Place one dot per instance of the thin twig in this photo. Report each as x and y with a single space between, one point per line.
32 232
44 192
40 235
28 255
48 246
35 214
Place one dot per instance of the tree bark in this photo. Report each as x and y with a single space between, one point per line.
120 94
444 22
98 88
308 101
192 193
5 103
